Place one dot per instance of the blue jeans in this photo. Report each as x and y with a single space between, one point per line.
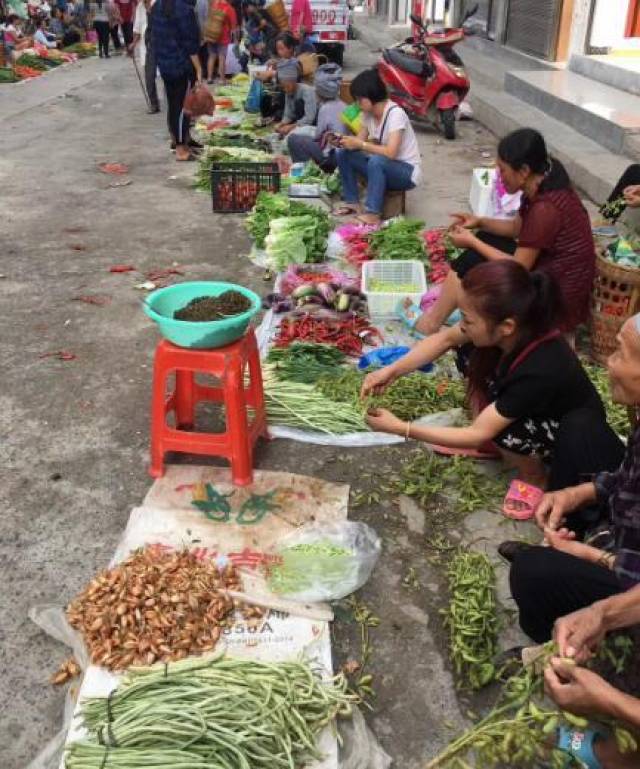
381 173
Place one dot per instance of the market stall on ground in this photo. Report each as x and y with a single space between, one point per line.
207 638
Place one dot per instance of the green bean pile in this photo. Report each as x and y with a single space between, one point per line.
472 619
216 713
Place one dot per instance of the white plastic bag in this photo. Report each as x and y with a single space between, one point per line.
339 559
360 749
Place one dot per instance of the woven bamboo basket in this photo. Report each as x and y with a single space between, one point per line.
278 14
616 297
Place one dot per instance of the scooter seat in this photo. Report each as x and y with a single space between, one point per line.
405 62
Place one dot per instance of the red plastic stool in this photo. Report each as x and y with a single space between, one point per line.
227 364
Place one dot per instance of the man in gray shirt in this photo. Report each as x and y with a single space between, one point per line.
300 104
302 148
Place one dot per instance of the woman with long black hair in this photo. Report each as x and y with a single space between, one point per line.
551 233
534 400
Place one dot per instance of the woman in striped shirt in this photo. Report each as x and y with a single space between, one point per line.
551 232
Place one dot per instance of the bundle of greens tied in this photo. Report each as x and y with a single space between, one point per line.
522 729
215 713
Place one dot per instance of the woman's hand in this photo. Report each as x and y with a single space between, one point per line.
469 221
564 541
578 690
376 382
383 421
632 195
285 128
579 634
461 237
351 143
554 507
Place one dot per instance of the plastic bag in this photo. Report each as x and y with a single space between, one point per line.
254 97
324 562
198 102
360 749
53 620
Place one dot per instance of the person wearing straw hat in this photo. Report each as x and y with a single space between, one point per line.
302 148
567 575
300 104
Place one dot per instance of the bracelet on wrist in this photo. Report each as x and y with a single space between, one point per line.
407 432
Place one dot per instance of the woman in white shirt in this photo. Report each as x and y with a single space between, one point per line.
385 151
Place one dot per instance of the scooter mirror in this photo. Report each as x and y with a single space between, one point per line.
417 20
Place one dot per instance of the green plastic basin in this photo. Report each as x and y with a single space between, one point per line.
161 304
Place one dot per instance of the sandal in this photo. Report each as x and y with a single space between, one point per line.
473 453
522 500
578 743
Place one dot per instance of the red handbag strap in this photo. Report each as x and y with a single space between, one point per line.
531 347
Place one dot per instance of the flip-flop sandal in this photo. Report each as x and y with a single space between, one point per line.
522 500
578 743
473 453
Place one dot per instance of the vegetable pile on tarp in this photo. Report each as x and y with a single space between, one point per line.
349 335
296 240
155 606
319 298
305 361
205 714
233 138
409 397
351 242
299 275
7 75
296 404
82 50
440 252
398 239
273 216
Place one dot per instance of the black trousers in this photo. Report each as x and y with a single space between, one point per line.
470 258
629 177
150 69
102 31
547 584
115 36
177 121
127 32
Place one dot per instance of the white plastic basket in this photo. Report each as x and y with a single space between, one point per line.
480 192
398 272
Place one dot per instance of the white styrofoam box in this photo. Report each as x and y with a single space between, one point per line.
396 271
480 198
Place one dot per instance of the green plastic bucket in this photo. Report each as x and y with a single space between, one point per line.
161 304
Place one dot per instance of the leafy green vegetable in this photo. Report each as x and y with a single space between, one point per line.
400 239
305 362
294 240
409 397
311 174
269 207
223 154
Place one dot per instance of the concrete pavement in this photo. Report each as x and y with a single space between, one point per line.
74 434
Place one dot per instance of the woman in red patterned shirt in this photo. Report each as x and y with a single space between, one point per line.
551 232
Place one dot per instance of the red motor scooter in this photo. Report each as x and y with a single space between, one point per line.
426 76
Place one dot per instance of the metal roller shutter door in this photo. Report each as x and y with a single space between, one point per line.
532 26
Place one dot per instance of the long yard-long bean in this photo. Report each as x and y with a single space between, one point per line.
215 713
